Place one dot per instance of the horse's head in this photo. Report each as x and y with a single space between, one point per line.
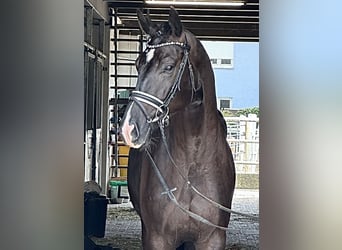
165 80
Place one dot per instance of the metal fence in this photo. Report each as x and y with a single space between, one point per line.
243 138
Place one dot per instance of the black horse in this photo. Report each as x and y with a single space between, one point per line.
179 154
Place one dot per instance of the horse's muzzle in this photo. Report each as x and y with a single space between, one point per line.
130 134
130 131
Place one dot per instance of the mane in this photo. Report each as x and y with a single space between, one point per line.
204 71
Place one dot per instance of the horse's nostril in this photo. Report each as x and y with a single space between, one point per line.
135 133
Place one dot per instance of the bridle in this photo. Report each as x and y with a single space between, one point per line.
161 107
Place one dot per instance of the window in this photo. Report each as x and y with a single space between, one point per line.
213 61
222 62
224 103
226 61
221 54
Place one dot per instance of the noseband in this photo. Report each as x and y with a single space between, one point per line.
162 106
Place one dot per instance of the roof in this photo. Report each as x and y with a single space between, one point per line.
229 23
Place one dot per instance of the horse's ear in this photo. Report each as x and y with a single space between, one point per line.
145 23
175 22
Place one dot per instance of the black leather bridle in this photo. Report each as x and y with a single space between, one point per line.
162 106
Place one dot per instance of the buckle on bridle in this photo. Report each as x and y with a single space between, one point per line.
165 121
161 117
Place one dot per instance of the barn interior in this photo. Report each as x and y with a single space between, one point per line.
112 42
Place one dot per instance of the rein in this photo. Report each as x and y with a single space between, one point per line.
169 192
192 187
171 196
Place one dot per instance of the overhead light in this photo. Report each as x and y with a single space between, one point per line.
201 3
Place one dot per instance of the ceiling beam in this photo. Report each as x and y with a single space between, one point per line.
228 23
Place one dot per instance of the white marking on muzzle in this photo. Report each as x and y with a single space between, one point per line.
149 55
126 128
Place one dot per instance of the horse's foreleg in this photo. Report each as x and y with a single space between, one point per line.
154 241
216 241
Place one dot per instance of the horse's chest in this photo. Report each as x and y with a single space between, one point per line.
155 199
157 209
160 214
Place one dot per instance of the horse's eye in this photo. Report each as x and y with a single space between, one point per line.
168 67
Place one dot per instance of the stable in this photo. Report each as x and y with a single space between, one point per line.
112 42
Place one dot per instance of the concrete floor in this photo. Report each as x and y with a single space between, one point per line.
123 228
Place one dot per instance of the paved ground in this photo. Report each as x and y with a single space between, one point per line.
123 225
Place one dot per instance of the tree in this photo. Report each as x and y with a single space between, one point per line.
245 112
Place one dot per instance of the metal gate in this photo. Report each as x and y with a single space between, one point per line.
243 138
126 43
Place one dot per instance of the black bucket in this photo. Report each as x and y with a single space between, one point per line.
95 214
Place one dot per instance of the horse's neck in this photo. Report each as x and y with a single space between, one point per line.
189 138
197 122
193 123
